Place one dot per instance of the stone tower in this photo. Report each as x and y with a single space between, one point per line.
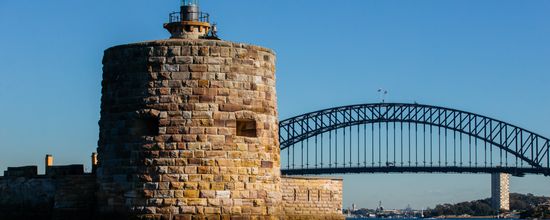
189 127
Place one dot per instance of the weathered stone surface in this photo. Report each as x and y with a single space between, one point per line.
312 198
198 89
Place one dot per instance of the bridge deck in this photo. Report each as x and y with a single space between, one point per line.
349 170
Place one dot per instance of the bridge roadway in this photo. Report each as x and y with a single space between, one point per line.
392 169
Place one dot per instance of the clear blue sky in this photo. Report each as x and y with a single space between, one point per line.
490 57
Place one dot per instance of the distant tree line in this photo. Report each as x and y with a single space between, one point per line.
473 208
529 206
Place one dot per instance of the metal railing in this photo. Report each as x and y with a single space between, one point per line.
177 17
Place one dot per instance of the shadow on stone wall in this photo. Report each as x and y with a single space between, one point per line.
58 195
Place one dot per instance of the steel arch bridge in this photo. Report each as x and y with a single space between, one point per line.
395 137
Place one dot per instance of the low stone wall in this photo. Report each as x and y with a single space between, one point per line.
45 197
312 198
26 198
75 197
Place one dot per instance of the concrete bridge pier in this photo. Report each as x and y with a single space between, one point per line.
500 191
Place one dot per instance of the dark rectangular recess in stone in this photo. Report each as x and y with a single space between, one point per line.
145 126
246 128
267 164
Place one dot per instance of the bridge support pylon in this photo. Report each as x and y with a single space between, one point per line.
500 191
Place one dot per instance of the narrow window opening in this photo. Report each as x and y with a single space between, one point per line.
308 195
246 128
295 196
146 126
318 195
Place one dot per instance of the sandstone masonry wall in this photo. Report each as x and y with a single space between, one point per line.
312 198
188 129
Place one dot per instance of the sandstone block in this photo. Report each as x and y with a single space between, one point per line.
191 193
217 186
225 194
188 210
198 68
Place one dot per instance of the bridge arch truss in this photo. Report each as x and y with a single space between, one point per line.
396 137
